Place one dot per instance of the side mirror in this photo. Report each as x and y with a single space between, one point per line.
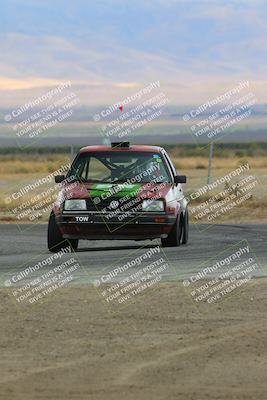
180 179
59 178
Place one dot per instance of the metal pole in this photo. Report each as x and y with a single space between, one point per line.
71 152
210 164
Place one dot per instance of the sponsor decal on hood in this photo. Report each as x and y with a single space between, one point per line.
106 190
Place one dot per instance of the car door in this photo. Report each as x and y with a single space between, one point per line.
177 189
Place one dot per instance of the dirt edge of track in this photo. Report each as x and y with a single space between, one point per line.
161 347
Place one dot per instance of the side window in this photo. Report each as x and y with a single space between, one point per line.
79 168
169 163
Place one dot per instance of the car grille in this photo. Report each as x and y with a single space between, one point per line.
123 204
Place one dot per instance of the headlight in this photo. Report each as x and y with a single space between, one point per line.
153 205
75 205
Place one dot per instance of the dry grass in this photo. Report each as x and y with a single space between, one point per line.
218 163
30 164
17 171
37 164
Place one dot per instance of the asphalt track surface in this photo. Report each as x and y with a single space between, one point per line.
23 245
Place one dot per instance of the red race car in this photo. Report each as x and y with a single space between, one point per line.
120 191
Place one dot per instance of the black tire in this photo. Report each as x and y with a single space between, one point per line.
185 234
174 237
55 241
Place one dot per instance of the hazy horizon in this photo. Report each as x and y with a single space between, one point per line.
111 49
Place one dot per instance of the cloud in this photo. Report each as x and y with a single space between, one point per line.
28 83
112 47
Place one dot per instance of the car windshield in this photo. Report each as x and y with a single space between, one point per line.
123 166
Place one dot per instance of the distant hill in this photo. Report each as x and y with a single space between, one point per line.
239 137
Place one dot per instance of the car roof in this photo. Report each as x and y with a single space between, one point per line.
134 147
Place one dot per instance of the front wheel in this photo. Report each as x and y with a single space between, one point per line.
185 234
55 241
174 237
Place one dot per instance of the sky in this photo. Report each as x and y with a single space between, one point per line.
109 49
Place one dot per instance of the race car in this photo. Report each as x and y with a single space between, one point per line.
119 191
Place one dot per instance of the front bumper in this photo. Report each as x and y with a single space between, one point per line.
97 225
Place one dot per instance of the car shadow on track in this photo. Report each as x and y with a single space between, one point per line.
129 247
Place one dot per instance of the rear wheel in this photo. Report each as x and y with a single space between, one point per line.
55 241
174 237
